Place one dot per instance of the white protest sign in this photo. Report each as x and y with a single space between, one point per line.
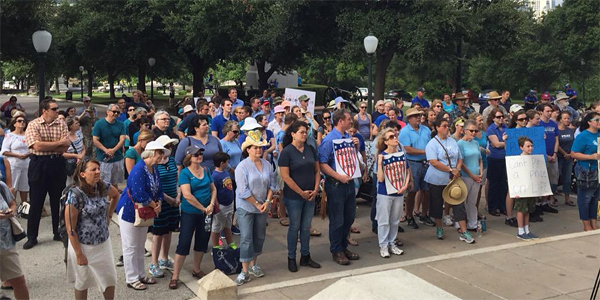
527 176
346 158
395 172
293 94
598 143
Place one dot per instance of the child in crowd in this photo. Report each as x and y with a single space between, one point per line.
523 206
223 219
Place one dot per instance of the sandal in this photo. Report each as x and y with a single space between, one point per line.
354 230
554 203
148 280
285 222
570 203
352 242
403 219
198 275
138 286
174 284
398 242
314 232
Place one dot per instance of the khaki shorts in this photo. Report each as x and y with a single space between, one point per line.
10 268
112 172
223 219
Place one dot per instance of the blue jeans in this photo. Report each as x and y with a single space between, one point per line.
300 214
253 229
565 167
587 203
374 203
341 210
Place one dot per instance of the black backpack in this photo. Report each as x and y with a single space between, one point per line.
62 227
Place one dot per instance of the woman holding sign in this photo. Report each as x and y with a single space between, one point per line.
445 162
392 180
585 151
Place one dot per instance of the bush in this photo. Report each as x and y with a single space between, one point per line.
182 92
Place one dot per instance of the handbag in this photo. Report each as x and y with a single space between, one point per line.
586 179
144 215
447 156
23 210
71 164
18 232
227 260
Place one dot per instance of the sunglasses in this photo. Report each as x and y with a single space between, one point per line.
499 117
444 126
54 108
131 109
473 130
163 119
115 112
20 121
363 107
438 106
197 154
326 118
595 120
86 101
522 119
391 137
235 131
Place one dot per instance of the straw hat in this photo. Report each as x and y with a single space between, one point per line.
413 111
494 95
254 138
455 192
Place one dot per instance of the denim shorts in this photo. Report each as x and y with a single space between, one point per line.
418 170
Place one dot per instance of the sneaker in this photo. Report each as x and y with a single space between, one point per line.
242 278
233 246
147 253
447 220
535 218
539 210
424 219
439 233
400 229
235 230
120 261
524 237
512 222
412 224
533 236
256 271
395 250
166 264
383 251
155 271
466 237
547 208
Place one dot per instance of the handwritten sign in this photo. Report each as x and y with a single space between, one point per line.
395 172
536 134
527 176
346 158
293 94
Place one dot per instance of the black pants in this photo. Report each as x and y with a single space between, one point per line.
498 184
47 175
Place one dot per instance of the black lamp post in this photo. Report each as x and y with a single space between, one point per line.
582 81
41 42
81 68
151 62
370 43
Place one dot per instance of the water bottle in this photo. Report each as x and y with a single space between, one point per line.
208 223
479 229
483 224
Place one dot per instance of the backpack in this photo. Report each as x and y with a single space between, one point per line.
62 227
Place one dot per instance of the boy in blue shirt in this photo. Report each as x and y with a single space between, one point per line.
223 219
524 206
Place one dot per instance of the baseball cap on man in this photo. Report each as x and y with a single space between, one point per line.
421 89
303 98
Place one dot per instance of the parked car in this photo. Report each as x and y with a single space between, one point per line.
482 99
398 93
364 92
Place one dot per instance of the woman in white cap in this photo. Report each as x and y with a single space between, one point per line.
255 186
445 163
143 188
168 220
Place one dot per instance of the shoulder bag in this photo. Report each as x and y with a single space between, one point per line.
447 156
144 215
71 164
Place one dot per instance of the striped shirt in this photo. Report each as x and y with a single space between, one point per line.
168 177
40 131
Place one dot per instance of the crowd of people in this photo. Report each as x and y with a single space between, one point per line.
233 160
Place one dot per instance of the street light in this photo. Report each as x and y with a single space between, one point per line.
582 81
81 68
41 42
151 62
370 43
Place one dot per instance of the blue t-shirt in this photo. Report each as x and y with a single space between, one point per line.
586 143
224 186
483 144
418 140
471 155
200 189
424 103
381 188
218 123
435 151
449 107
380 119
234 151
109 135
498 132
361 141
551 131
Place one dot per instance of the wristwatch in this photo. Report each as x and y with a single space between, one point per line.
269 201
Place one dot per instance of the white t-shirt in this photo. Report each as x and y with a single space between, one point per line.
16 144
274 127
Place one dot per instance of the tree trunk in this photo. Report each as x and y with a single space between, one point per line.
57 86
141 84
384 58
458 72
263 76
199 68
111 84
90 78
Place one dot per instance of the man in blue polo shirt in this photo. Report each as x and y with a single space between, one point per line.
414 137
220 120
341 197
551 138
419 98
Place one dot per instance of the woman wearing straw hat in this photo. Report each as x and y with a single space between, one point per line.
445 162
255 186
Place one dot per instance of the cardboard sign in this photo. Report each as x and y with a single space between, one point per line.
527 176
346 158
293 94
395 172
536 134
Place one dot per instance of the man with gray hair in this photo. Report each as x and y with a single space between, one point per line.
109 137
162 122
